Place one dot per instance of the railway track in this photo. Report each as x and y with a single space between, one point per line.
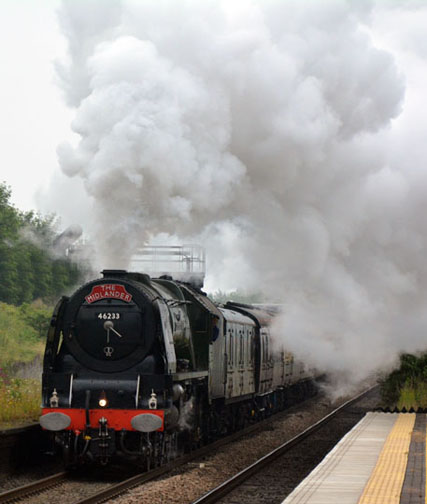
116 489
113 490
261 475
104 491
32 488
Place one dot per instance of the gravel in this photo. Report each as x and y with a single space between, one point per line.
186 484
81 484
28 475
277 480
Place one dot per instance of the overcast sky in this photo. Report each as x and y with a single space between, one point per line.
33 117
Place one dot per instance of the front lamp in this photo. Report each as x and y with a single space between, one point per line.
103 400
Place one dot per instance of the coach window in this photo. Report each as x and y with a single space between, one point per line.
231 346
266 349
267 353
235 349
243 346
253 347
249 347
261 339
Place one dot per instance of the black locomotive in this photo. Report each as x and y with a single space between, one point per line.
145 368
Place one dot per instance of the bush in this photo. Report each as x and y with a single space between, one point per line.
30 265
37 315
19 341
391 387
19 399
406 386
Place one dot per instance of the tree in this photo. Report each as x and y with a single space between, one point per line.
28 268
37 315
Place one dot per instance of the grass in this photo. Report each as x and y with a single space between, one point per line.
20 345
19 401
413 396
406 386
19 341
407 398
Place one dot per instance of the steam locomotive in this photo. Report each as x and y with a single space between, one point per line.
146 368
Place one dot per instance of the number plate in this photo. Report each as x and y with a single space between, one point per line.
108 316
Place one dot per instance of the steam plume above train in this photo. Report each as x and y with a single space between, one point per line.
277 134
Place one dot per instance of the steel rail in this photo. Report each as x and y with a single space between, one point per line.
121 487
35 487
139 479
222 490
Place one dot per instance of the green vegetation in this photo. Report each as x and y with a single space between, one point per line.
406 387
28 269
21 342
32 277
19 400
20 338
37 315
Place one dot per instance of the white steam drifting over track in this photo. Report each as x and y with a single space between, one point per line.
287 136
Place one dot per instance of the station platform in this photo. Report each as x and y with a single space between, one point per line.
382 460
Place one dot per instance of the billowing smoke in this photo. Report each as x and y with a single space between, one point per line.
274 133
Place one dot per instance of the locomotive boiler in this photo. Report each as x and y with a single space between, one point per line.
146 368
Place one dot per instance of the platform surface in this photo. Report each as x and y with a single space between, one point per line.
382 460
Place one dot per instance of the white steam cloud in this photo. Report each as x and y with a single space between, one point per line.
276 133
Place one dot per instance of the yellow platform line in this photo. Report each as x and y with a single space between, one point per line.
385 484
